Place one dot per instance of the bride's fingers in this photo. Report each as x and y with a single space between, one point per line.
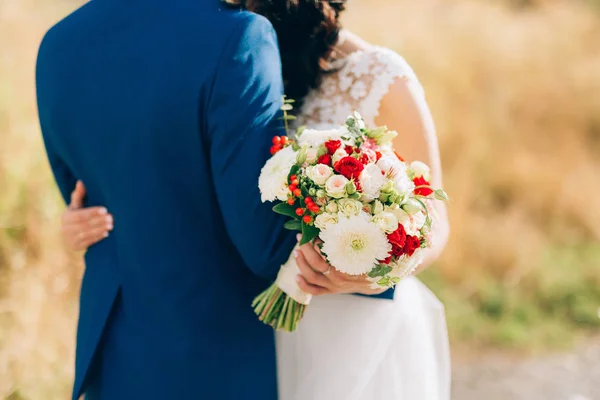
84 215
311 289
92 237
77 196
310 275
314 258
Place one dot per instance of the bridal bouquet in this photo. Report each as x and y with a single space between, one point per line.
348 188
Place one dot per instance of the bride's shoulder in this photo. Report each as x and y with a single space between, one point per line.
363 58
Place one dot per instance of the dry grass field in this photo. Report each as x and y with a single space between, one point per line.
515 89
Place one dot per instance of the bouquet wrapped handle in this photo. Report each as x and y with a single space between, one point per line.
282 305
286 281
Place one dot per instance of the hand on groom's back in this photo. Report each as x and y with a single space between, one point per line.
319 278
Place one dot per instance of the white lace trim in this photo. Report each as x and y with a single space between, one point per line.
359 85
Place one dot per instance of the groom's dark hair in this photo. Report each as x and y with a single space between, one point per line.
307 31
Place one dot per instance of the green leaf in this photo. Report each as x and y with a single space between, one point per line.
285 209
309 233
380 270
293 225
384 282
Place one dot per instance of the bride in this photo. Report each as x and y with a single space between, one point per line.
388 347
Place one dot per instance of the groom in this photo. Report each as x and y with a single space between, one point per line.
165 109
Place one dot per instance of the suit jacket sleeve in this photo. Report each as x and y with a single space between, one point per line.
63 175
242 118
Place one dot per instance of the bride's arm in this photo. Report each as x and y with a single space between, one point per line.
405 110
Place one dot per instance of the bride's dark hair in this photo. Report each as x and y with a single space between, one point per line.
307 31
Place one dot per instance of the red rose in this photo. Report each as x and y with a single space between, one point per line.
398 237
332 146
412 244
349 167
325 159
349 150
425 191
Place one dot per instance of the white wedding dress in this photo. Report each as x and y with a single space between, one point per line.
351 347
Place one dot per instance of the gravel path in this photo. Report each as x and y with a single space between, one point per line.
571 376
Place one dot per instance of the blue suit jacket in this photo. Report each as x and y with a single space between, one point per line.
166 109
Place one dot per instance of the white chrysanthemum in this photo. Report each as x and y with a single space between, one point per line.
354 245
315 138
273 177
371 181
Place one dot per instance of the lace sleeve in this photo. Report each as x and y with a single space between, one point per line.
359 85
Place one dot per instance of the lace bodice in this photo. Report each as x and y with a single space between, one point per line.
360 84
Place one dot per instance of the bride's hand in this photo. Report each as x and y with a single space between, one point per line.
83 227
319 278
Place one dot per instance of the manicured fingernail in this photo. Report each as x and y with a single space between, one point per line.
110 227
106 234
103 211
109 219
298 279
295 253
299 236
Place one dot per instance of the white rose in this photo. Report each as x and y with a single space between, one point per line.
349 207
420 169
402 217
371 181
418 220
311 155
274 175
386 221
412 207
332 207
325 219
403 184
338 155
336 186
377 207
319 173
315 138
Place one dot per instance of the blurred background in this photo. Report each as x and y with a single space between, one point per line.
515 89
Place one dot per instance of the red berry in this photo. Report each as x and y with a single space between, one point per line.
314 209
284 140
292 188
276 140
307 219
308 200
295 182
291 201
293 178
274 150
299 211
297 192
